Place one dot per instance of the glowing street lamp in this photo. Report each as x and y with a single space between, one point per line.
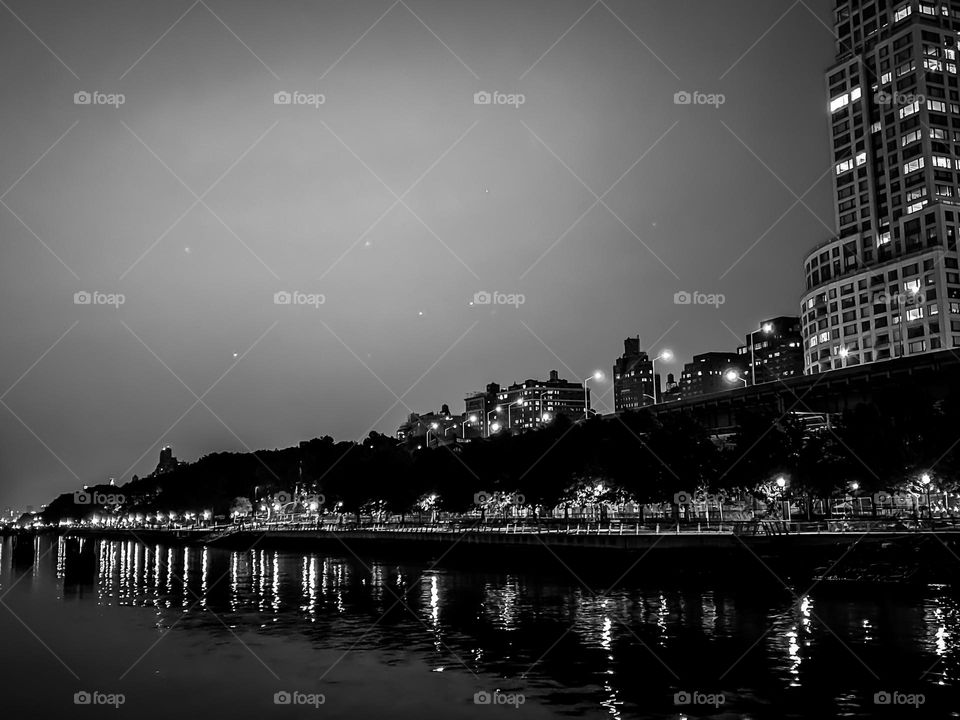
925 480
495 411
463 426
766 329
666 356
843 356
433 426
597 376
495 428
733 376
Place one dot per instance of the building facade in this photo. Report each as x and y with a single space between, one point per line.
773 351
707 372
533 403
888 285
634 384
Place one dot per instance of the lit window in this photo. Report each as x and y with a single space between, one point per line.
901 12
845 166
912 166
886 77
855 94
908 110
937 105
916 207
942 162
910 137
861 159
914 314
883 239
839 102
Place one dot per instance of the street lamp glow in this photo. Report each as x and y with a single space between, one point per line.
434 425
598 375
666 355
472 418
854 485
781 482
767 327
495 427
844 352
925 478
499 408
732 376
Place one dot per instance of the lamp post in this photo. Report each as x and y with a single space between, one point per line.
433 426
843 356
666 356
509 416
925 481
598 376
733 376
782 484
766 329
463 426
495 411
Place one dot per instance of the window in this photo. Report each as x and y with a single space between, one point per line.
846 166
839 102
910 137
909 167
861 159
908 110
937 105
942 162
901 12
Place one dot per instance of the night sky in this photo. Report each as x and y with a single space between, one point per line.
396 199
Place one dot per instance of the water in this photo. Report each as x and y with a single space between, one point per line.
192 632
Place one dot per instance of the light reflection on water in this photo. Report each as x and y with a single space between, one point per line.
618 652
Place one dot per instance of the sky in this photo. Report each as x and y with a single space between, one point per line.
389 200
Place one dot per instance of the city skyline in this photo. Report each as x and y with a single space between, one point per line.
503 208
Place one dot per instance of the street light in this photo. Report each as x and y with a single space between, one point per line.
925 481
843 356
782 484
495 428
509 418
598 376
433 426
463 426
666 356
733 376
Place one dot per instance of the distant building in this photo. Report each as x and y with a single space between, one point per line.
671 391
429 429
533 403
706 374
166 464
482 406
634 384
774 351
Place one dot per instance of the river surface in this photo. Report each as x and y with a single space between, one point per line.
97 628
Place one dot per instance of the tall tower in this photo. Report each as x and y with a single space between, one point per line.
888 285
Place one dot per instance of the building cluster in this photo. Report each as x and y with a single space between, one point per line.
771 352
886 286
522 406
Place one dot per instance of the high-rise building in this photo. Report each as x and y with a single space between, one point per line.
634 384
773 351
888 284
706 373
